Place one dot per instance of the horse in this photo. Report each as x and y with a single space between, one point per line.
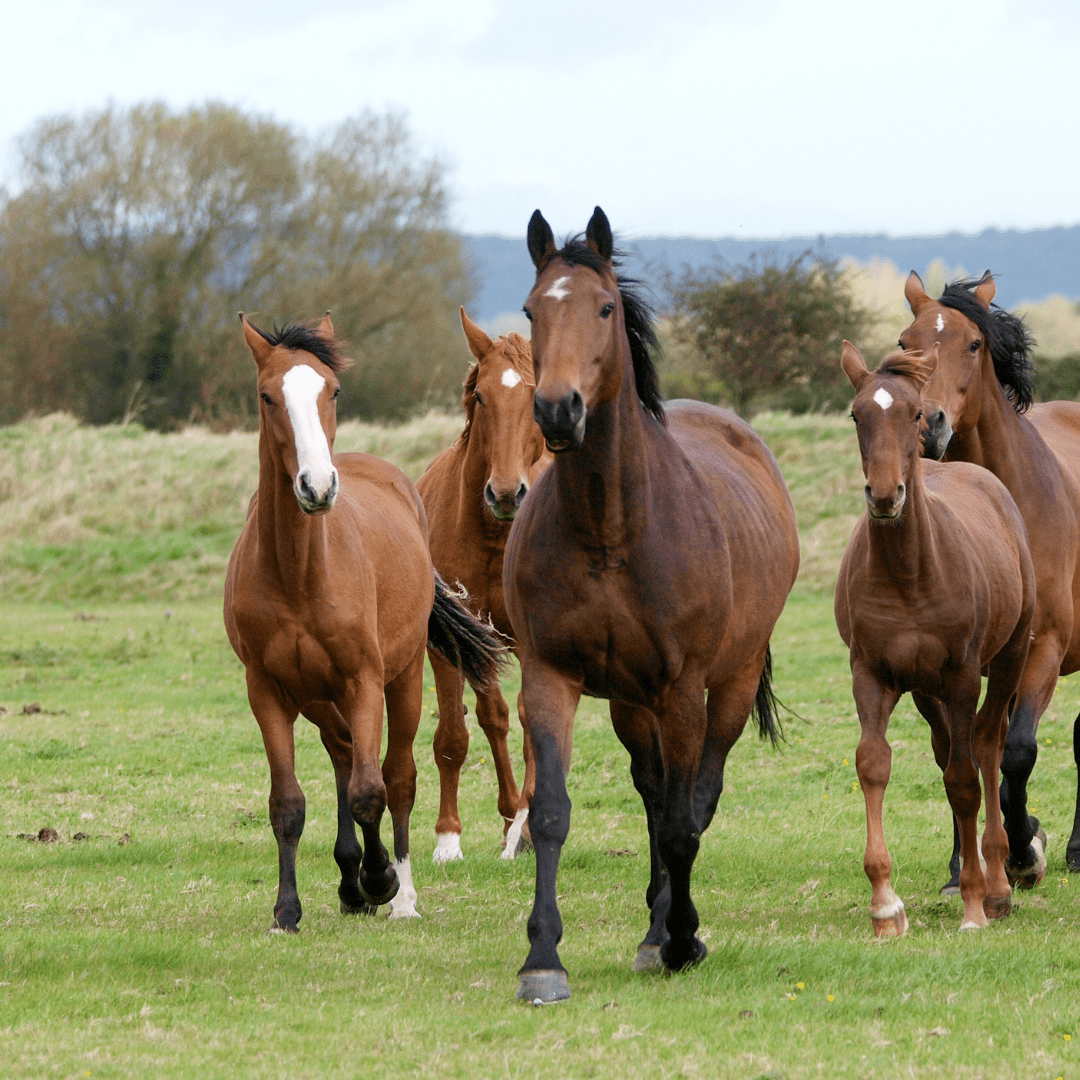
647 565
471 493
331 601
980 409
935 586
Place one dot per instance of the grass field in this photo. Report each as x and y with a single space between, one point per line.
139 949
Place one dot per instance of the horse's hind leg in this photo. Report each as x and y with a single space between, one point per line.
287 805
934 714
404 700
637 730
518 838
450 746
1072 850
493 715
347 853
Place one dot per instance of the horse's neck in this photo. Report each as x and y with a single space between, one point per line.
607 480
293 543
1001 441
905 551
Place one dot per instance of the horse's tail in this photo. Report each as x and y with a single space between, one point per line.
767 705
461 639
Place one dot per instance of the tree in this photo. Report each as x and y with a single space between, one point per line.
769 332
137 234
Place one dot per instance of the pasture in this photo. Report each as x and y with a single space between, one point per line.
139 949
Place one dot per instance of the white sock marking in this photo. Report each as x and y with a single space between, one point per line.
447 848
510 377
403 906
302 386
513 834
890 909
883 397
940 324
559 291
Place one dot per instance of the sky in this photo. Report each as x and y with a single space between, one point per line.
743 118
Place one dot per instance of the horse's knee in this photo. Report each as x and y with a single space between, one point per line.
1021 752
287 815
367 799
493 715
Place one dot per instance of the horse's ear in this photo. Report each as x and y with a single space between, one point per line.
325 329
259 346
915 293
479 342
853 364
598 234
541 240
986 290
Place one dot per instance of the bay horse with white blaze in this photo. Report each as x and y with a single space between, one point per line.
935 586
648 565
471 493
980 409
330 603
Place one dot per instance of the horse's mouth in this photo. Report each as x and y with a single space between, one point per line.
557 446
503 513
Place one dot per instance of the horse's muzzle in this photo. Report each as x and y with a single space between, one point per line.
936 433
310 499
562 421
504 506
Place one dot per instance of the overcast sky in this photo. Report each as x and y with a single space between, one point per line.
748 118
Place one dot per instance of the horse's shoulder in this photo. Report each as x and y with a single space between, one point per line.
441 473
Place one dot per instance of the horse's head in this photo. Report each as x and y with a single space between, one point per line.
888 413
498 401
577 319
983 351
298 386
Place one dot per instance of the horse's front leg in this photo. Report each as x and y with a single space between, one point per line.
638 730
404 701
275 718
450 747
362 706
550 703
873 763
493 715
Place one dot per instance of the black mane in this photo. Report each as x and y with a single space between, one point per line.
306 339
1006 337
637 315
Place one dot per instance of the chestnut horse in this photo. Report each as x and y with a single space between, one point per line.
471 493
648 566
330 602
982 393
936 584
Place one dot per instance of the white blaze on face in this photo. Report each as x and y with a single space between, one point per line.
510 377
940 324
302 386
559 291
883 397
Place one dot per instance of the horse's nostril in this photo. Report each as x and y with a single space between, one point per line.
489 494
521 493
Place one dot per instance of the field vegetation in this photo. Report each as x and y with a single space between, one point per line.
134 944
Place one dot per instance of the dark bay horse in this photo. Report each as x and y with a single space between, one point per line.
330 602
979 409
471 493
648 565
936 584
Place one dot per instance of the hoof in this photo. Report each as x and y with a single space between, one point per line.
1028 877
543 987
676 959
951 887
891 925
352 903
971 924
385 897
277 929
997 907
648 958
447 848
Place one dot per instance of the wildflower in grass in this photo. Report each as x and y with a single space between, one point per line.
845 761
1068 1038
800 986
829 997
1049 741
791 997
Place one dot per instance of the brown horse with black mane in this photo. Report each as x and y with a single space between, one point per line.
936 585
648 565
979 409
330 602
472 492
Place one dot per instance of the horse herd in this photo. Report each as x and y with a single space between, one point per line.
642 551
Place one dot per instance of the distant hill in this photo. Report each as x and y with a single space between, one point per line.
1028 265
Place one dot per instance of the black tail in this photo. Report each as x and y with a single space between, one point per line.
767 705
461 639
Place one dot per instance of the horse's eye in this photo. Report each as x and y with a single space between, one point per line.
902 345
267 398
975 346
918 416
336 392
852 415
528 313
479 399
606 310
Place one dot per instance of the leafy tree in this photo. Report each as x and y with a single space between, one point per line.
769 332
137 234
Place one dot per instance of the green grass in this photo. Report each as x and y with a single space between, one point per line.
140 950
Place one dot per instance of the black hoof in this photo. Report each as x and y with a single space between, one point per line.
375 898
283 928
951 888
543 987
352 903
648 958
685 955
